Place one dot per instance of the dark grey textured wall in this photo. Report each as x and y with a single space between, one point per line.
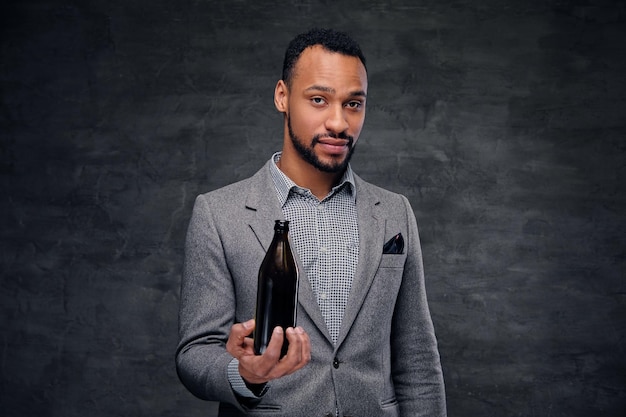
502 121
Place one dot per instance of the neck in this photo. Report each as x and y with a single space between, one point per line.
307 176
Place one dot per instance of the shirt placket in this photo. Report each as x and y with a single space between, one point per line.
325 256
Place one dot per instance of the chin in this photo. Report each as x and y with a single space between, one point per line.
332 165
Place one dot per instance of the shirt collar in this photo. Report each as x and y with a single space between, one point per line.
284 184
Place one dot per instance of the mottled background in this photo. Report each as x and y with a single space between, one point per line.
503 121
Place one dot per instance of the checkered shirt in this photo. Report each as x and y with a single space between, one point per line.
325 236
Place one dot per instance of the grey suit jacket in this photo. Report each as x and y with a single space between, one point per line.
385 362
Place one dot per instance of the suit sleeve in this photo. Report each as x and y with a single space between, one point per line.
416 367
207 310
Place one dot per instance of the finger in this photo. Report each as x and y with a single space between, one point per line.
306 346
263 364
248 327
236 339
299 352
272 352
241 330
248 343
262 368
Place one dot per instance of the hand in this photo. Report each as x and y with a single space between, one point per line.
258 369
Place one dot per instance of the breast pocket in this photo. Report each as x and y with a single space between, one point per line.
393 260
389 275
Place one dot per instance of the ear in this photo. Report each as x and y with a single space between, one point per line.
281 96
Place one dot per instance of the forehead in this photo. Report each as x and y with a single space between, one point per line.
317 65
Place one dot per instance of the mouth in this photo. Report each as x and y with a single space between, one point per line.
333 142
333 145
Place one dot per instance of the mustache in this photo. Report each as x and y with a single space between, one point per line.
342 135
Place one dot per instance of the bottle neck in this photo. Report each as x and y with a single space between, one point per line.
281 227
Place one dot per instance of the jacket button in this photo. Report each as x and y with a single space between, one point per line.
336 363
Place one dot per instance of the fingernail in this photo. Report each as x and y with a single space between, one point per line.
278 330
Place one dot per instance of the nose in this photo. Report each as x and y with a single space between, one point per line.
336 121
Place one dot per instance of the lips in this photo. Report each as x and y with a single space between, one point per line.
333 142
333 146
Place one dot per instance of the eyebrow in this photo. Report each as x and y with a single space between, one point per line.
358 93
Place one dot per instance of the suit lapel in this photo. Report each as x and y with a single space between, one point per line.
371 235
262 207
263 210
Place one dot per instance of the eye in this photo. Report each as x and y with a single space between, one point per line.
318 101
354 105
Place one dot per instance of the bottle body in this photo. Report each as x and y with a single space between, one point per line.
277 292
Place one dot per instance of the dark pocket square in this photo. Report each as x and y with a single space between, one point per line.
395 245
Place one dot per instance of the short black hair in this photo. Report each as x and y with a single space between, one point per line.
329 39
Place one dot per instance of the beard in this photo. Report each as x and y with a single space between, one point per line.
307 152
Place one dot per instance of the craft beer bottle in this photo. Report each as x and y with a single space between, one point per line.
277 293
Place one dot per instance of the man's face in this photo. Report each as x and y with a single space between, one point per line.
326 107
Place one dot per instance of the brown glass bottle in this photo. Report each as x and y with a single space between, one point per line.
277 293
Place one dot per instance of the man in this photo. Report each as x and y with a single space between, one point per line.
364 345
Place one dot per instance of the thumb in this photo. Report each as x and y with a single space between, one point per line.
248 326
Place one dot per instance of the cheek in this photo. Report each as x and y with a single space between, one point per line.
305 120
356 124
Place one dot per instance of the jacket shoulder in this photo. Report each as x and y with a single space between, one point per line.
382 195
236 192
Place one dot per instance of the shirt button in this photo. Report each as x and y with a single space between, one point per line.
323 249
323 296
320 207
336 363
